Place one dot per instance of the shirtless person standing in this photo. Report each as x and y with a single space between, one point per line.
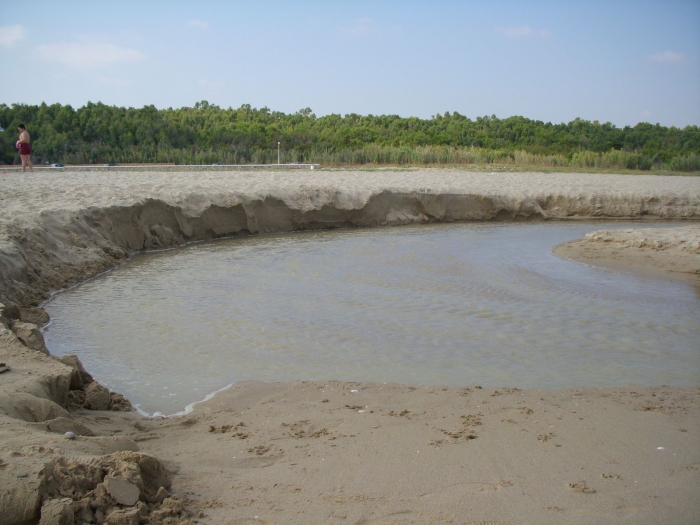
25 148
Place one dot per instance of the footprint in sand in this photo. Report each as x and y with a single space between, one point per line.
581 486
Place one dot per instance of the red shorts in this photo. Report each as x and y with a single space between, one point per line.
25 149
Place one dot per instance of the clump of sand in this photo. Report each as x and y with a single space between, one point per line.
119 488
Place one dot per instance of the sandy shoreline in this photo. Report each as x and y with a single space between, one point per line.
331 452
321 453
671 252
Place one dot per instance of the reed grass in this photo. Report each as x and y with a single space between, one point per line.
376 155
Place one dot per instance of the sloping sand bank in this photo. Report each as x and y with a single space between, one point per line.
668 252
319 452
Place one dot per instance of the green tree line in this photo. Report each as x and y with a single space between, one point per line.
206 133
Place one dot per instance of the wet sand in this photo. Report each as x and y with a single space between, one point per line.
672 253
322 452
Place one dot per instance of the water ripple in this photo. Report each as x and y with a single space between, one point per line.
450 304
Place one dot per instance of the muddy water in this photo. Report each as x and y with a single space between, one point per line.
453 305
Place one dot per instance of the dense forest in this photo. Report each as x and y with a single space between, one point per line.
206 134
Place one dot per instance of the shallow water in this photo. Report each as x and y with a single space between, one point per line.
459 304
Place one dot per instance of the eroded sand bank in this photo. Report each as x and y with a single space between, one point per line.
322 452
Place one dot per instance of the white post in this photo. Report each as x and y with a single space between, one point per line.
278 153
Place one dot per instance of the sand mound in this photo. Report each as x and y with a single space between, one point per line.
673 251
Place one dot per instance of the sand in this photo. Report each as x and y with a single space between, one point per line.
669 252
330 452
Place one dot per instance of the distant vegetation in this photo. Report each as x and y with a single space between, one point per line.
205 134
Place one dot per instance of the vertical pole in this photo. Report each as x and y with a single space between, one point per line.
278 153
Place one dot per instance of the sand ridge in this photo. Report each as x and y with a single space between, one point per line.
22 195
324 452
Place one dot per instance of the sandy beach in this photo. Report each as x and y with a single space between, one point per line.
329 451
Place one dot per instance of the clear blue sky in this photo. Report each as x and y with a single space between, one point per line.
617 61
